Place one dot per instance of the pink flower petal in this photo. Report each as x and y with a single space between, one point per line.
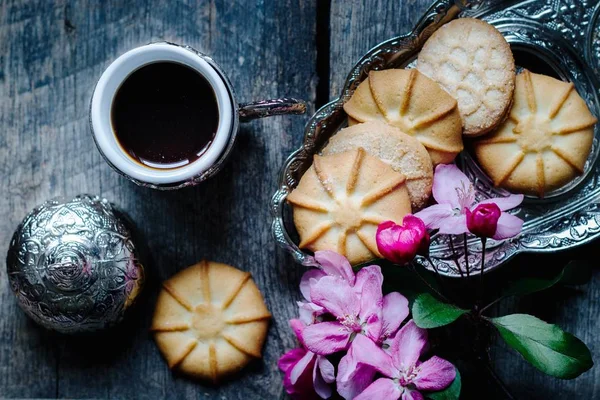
298 327
454 225
326 337
370 280
411 395
401 243
308 311
395 310
483 220
289 359
408 345
505 203
335 264
413 222
322 388
353 378
336 296
301 366
309 278
434 374
326 369
366 352
364 275
446 180
382 388
508 226
434 215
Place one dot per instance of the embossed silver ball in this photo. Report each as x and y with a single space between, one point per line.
73 266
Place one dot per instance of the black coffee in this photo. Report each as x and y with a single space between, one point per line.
165 115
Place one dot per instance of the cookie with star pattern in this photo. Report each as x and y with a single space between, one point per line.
210 321
342 198
546 140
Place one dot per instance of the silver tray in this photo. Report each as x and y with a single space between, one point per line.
559 37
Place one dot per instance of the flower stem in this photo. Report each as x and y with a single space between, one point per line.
434 290
454 257
438 275
489 305
481 280
466 255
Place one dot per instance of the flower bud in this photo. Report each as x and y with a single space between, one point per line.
483 220
401 243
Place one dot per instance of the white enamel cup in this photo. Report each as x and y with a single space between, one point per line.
230 113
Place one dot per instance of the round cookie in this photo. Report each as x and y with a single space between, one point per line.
342 198
414 103
474 63
403 152
210 320
546 140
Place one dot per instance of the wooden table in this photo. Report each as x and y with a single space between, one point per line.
52 53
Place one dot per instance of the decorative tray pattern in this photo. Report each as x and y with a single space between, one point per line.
554 37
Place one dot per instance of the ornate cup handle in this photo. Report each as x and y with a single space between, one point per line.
267 108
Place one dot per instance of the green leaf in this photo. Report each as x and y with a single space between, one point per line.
547 347
577 272
428 312
574 273
452 392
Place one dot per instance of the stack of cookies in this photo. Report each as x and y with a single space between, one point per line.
534 133
379 168
531 134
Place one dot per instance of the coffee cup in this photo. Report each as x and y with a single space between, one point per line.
138 155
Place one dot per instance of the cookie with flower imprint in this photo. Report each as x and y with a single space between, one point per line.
546 140
473 62
210 321
342 198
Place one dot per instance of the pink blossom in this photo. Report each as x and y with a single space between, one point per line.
401 243
455 194
404 376
353 377
307 375
359 310
483 220
355 312
330 264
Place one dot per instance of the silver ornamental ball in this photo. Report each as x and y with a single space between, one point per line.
73 266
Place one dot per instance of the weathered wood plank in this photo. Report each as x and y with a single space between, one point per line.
354 30
52 53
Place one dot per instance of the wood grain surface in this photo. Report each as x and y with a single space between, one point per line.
51 55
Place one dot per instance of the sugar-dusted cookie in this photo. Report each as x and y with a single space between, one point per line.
546 140
473 62
403 152
342 198
210 320
414 103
